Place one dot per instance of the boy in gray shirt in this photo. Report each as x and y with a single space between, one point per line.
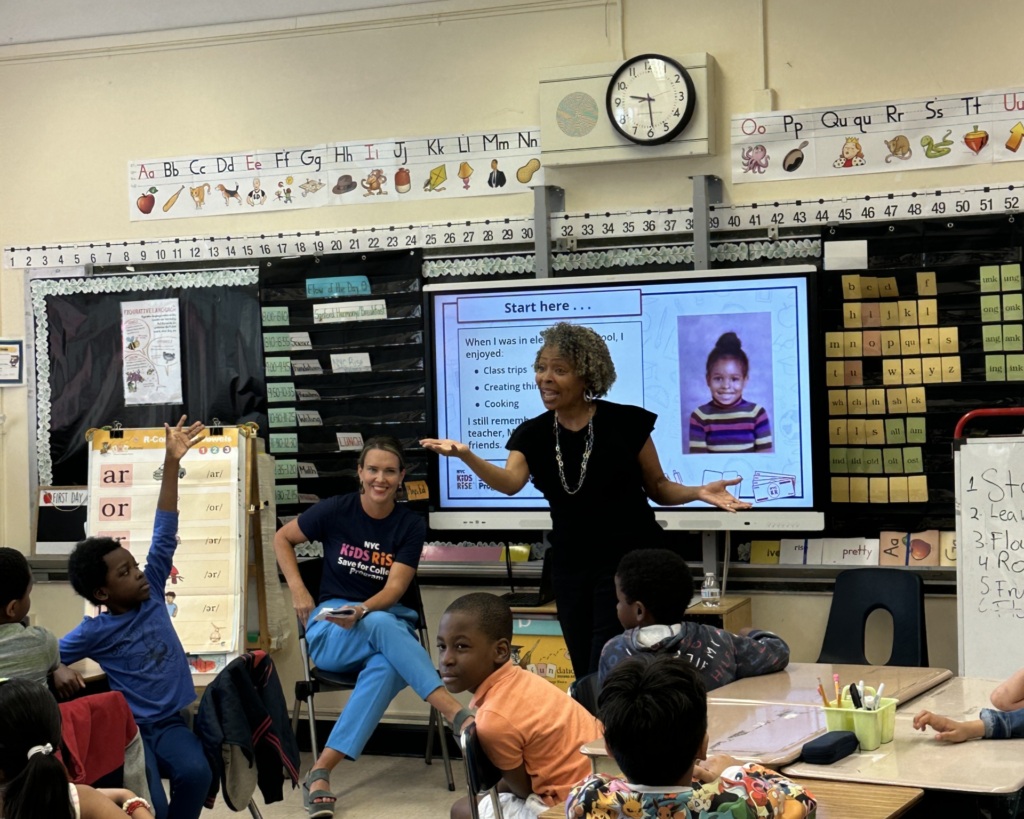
27 652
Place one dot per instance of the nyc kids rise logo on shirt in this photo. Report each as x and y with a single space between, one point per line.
366 560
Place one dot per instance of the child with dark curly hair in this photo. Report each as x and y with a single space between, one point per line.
654 587
136 645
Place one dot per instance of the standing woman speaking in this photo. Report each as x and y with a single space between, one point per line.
595 463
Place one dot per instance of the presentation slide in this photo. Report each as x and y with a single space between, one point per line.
660 334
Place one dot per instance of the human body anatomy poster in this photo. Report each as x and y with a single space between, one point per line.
151 352
203 591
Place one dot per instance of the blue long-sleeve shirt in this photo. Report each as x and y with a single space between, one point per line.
139 650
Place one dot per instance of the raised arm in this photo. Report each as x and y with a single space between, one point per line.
508 479
285 540
177 441
669 493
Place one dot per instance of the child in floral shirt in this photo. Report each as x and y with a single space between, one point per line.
654 710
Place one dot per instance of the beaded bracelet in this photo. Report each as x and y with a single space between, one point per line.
133 804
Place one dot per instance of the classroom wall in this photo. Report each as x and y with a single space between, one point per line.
76 112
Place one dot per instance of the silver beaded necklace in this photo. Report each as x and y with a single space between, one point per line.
587 449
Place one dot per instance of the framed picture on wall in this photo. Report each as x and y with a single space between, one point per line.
12 362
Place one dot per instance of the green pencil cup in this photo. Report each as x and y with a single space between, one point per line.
839 717
875 727
871 727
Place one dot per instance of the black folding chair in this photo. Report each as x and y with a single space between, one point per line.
316 681
585 691
482 775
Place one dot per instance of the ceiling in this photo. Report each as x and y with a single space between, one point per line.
48 20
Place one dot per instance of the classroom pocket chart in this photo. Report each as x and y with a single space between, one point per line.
203 591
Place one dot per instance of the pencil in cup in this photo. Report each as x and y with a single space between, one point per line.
872 727
821 690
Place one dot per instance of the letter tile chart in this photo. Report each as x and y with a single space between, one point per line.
203 591
931 330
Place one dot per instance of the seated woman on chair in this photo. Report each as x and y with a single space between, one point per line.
371 550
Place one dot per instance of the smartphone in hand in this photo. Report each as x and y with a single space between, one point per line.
342 611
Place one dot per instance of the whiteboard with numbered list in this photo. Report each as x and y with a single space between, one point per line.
990 555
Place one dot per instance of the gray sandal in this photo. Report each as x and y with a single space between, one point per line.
324 808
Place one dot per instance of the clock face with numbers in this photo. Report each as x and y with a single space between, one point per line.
650 99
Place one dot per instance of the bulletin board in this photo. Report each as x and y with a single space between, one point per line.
79 347
208 574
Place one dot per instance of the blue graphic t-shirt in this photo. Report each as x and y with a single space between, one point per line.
139 650
358 549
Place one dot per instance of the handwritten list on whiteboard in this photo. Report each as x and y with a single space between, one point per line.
990 567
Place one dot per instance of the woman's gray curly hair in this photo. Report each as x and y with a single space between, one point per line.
587 352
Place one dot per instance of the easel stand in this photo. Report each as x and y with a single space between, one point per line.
254 543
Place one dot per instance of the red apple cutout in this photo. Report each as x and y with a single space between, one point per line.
146 202
47 498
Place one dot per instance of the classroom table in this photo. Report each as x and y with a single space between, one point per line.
798 683
839 800
960 698
769 733
89 669
916 759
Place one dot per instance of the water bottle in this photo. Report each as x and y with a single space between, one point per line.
710 594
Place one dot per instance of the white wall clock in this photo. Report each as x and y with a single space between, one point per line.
650 99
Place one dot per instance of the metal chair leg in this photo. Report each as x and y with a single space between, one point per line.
428 755
311 713
439 720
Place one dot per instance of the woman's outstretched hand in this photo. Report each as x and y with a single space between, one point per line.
717 494
445 446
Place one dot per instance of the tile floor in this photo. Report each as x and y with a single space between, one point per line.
384 786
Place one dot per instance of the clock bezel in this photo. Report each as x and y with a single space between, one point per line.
691 100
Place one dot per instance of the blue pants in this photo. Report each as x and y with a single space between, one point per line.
173 751
383 649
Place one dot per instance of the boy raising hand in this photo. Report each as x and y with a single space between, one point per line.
136 645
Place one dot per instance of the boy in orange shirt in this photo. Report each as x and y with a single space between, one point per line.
528 728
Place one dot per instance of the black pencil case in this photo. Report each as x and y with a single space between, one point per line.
829 747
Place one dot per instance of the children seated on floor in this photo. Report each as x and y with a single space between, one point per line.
136 645
1005 721
28 652
529 729
654 587
654 710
